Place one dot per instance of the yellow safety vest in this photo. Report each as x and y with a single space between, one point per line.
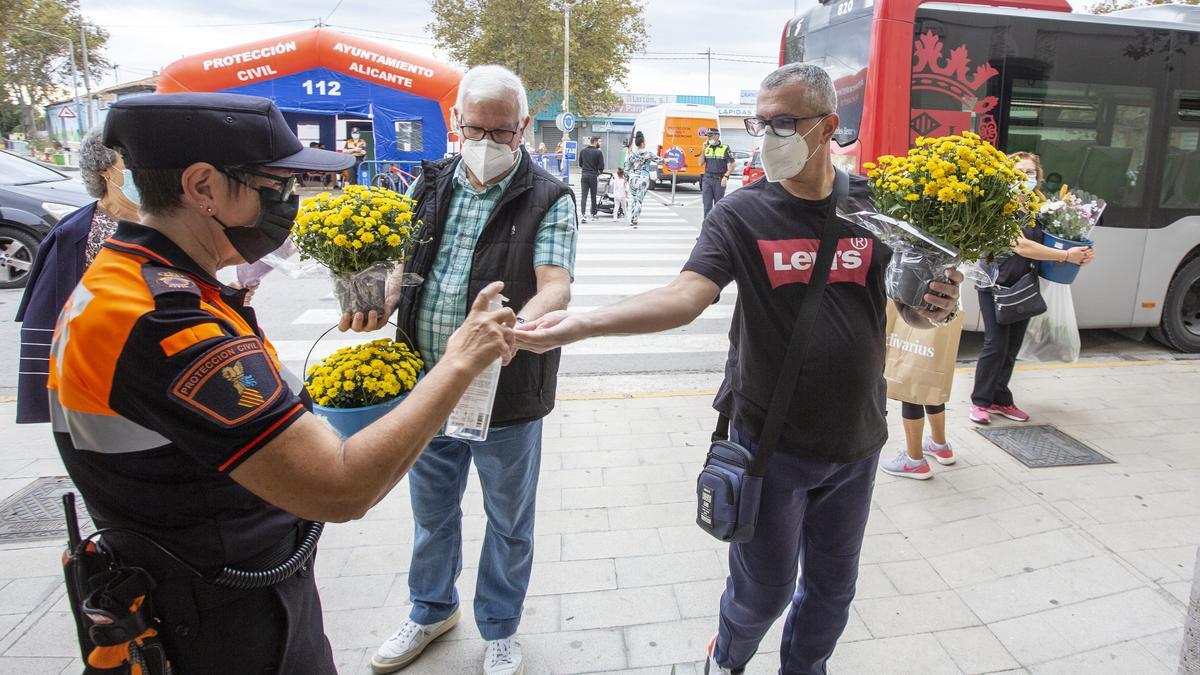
715 158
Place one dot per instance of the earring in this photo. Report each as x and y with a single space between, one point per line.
208 208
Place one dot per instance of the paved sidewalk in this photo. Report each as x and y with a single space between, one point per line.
989 567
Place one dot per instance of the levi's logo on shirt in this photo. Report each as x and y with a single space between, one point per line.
790 261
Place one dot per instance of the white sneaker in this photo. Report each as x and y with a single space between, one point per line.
407 643
503 657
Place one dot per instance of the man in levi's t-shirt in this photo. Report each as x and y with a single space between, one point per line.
816 492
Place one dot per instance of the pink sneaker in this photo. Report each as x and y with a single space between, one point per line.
980 415
1012 412
944 456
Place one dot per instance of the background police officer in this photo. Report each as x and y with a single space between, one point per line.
173 414
718 165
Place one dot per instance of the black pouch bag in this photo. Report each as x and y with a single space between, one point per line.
1022 300
729 489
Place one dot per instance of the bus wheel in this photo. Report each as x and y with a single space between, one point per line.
1180 327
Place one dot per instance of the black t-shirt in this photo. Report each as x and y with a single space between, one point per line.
591 160
766 239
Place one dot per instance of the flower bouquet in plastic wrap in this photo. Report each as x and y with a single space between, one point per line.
950 202
1067 221
363 238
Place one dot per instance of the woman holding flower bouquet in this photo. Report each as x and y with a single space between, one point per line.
1001 342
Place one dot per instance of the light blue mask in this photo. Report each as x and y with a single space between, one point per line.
129 188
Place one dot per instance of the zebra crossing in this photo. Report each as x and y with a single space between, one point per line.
614 262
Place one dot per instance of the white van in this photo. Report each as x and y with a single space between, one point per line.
682 125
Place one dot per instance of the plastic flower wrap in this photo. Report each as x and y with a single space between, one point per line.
1072 214
364 375
362 237
949 201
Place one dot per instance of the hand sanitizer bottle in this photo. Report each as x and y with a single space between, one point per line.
470 418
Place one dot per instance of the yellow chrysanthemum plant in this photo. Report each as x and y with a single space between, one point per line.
949 201
356 385
363 236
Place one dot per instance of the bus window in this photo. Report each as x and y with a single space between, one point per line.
1181 170
1181 161
1089 136
837 37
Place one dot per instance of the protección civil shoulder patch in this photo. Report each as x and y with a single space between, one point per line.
163 280
230 383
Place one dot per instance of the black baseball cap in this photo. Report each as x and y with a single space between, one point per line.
713 131
174 131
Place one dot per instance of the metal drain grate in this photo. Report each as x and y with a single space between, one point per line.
1040 446
35 513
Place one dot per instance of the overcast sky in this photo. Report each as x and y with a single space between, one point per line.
146 36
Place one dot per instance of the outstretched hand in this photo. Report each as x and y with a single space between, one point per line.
551 331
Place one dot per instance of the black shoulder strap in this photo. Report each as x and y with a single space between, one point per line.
789 373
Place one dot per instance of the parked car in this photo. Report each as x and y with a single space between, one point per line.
33 198
753 170
741 159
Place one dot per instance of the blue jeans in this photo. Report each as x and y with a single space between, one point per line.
813 515
508 463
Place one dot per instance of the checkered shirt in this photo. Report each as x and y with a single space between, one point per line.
444 301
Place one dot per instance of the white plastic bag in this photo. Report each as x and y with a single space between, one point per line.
1053 336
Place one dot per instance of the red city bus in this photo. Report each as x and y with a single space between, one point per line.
1110 103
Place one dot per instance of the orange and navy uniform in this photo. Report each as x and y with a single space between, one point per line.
161 383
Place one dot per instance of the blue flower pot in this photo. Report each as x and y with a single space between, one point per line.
1059 272
350 421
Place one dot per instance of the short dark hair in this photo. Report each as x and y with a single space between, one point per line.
159 190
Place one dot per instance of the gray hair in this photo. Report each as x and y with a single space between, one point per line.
94 157
493 83
819 94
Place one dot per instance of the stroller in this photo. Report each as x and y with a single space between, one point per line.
606 202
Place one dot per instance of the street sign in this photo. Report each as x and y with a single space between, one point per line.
608 127
565 122
570 148
67 113
674 158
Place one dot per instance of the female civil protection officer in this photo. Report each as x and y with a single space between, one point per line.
174 415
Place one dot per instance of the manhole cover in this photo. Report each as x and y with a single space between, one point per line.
35 513
1042 445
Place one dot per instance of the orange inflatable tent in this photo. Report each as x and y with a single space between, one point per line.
328 83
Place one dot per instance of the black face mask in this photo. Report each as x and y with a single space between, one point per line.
272 227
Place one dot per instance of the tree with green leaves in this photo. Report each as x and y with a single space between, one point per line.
526 36
35 64
1109 6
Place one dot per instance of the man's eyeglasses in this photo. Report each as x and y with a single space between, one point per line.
783 126
286 185
501 136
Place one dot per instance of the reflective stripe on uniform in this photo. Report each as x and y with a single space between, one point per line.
108 434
